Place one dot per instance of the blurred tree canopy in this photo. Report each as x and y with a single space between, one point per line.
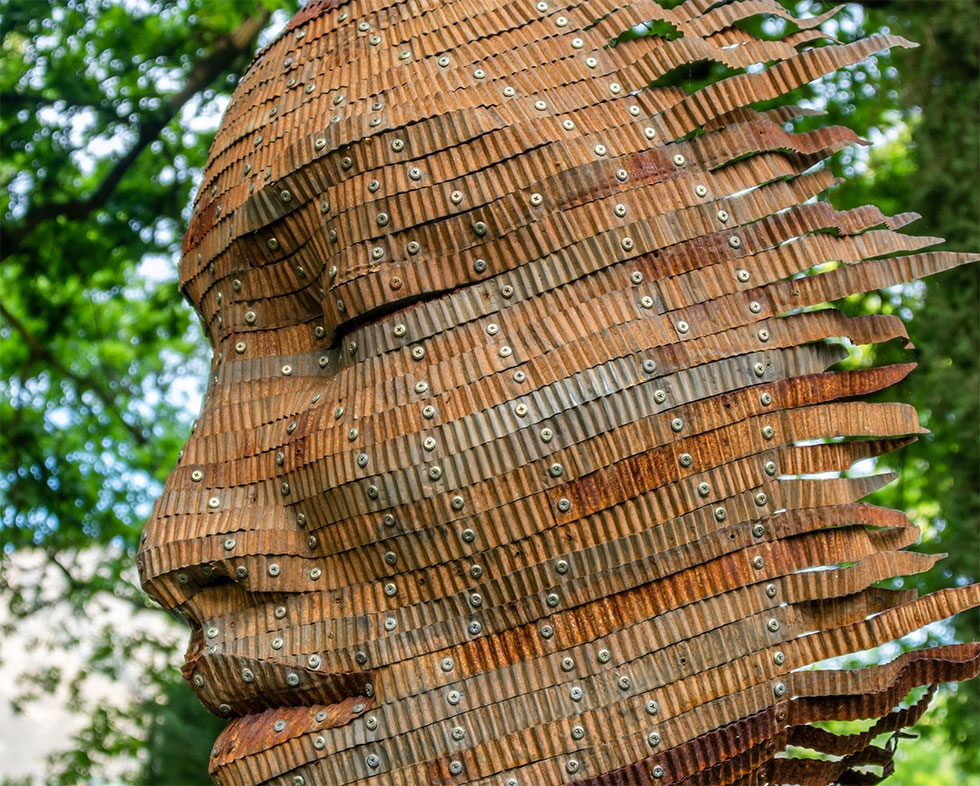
107 109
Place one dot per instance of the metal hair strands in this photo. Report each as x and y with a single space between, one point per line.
522 458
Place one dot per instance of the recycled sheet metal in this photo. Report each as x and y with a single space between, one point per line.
523 460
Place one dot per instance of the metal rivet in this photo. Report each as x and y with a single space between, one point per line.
428 412
352 435
315 573
591 62
779 689
564 505
505 351
556 470
277 643
455 767
476 571
292 679
759 369
778 658
567 664
197 475
540 105
373 761
224 709
578 733
547 435
600 150
771 590
720 514
404 54
773 625
766 398
435 473
301 519
659 396
468 535
272 243
677 424
768 432
649 132
761 499
770 467
443 61
553 600
519 376
686 460
509 91
390 590
520 410
615 88
391 623
476 600
447 664
568 125
480 73
603 656
763 334
457 503
577 43
536 199
453 697
241 571
653 739
273 569
704 489
362 460
652 707
755 307
480 228
683 327
571 766
546 631
649 366
576 693
658 771
758 562
458 733
758 530
319 743
418 352
248 675
624 682
373 492
679 159
646 302
627 243
723 216
287 370
636 277
214 502
284 489
561 21
474 628
480 265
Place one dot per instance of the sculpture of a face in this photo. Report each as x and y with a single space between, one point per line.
513 466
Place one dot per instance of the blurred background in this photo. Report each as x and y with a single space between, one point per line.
107 110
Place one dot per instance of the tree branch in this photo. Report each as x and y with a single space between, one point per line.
228 49
85 381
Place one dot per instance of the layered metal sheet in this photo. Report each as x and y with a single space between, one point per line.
524 460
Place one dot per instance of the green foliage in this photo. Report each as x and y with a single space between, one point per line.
108 110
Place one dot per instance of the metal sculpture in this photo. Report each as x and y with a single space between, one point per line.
518 463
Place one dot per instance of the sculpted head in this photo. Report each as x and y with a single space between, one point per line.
512 456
